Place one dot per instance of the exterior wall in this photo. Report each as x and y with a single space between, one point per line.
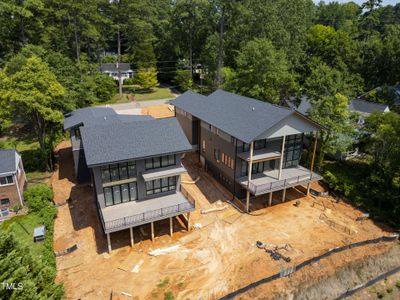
82 173
141 184
189 125
11 191
225 144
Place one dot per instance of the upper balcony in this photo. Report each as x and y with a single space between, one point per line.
136 213
269 181
261 155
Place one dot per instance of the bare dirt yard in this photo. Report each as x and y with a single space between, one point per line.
159 111
217 257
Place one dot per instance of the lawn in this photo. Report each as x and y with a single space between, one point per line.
16 226
155 94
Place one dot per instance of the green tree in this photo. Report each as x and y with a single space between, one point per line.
34 93
183 79
262 72
146 78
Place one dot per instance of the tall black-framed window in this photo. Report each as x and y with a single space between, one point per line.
258 167
117 172
122 193
161 185
293 147
160 162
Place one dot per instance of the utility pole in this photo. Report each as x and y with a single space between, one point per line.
220 50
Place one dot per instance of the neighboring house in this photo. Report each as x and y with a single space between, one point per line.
113 70
251 147
91 116
12 180
362 107
135 169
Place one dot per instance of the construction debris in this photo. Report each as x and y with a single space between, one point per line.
191 182
164 251
136 268
275 255
297 203
197 226
213 209
363 217
126 294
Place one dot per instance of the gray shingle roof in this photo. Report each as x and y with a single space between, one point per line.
119 142
112 67
363 106
8 161
242 117
91 116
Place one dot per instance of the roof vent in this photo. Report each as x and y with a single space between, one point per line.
105 118
253 109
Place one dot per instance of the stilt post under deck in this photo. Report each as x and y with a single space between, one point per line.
132 239
283 195
152 230
281 160
270 198
188 221
109 243
171 226
250 167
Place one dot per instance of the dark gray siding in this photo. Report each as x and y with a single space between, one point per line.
141 185
82 173
187 123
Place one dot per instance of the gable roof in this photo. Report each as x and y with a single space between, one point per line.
363 106
121 142
242 117
9 159
91 116
112 67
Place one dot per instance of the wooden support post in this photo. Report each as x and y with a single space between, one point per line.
132 239
188 221
171 226
152 231
109 243
281 160
308 188
283 195
312 161
250 167
270 198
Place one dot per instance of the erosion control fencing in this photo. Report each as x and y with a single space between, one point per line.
367 284
308 262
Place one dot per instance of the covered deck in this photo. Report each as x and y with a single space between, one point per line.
269 181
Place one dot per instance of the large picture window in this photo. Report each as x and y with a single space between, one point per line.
258 167
118 172
160 185
293 147
120 193
160 162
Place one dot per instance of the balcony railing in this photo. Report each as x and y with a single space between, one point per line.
258 189
147 217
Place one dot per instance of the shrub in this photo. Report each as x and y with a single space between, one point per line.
129 81
183 79
146 78
168 296
38 197
16 208
398 284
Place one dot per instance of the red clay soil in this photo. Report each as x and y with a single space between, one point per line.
219 258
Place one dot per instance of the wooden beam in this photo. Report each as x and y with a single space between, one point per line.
188 221
249 169
152 230
109 243
283 195
132 239
270 198
314 151
171 226
281 160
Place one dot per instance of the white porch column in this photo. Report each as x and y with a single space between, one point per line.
281 160
171 226
250 166
109 243
152 231
270 198
284 194
131 233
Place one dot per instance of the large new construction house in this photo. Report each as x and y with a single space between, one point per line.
251 147
134 163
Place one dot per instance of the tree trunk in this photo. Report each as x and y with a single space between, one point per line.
77 46
119 60
220 49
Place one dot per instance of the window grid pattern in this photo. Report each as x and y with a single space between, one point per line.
160 162
118 172
161 185
292 153
6 180
258 167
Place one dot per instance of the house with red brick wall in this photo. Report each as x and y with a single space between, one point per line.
12 180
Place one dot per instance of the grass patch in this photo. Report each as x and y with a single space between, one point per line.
163 283
37 176
154 94
20 144
168 296
16 226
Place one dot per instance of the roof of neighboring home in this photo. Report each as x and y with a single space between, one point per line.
121 142
304 105
363 106
91 116
242 117
9 159
112 67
